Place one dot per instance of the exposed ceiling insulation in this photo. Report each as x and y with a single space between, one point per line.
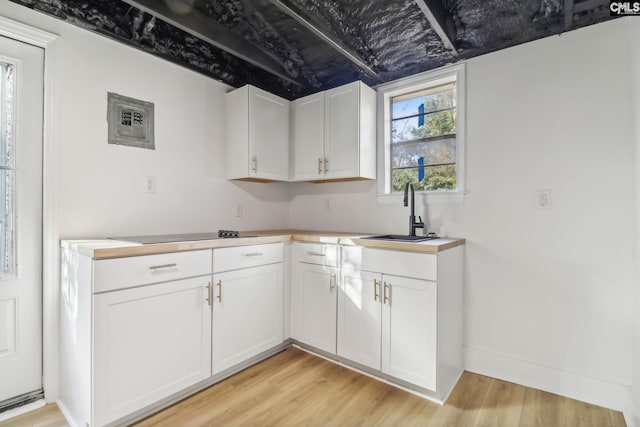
297 47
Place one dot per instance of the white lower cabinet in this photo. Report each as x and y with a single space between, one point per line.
407 328
138 330
388 323
314 295
360 317
133 331
247 314
149 342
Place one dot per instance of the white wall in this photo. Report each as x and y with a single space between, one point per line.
102 185
548 292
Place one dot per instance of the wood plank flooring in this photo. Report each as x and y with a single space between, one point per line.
294 388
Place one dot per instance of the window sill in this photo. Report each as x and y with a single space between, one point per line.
444 197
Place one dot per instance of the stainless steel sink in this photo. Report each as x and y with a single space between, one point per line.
401 238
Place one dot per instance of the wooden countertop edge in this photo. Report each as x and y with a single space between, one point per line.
86 247
430 246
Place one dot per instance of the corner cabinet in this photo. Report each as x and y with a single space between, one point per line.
334 134
257 135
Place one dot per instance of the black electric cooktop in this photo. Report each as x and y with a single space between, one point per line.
171 238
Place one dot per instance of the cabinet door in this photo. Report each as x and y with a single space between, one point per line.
409 315
149 343
314 300
268 135
247 314
359 317
308 137
342 124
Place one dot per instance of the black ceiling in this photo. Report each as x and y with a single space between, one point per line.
297 47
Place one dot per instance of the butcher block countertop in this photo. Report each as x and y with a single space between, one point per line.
109 248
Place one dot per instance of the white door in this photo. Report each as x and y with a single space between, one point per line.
317 294
342 131
268 135
308 137
409 330
359 317
21 104
150 342
247 314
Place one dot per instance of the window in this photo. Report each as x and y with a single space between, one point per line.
422 134
7 170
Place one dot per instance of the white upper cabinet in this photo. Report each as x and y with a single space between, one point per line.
308 137
257 135
334 134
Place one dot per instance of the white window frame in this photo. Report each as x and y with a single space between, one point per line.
415 83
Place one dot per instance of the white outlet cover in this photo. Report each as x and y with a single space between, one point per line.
238 210
150 184
543 199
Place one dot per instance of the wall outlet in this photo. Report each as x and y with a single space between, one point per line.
327 205
543 199
238 210
150 184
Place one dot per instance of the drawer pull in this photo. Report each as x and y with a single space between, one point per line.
375 290
254 254
319 166
159 267
209 293
316 254
219 290
332 283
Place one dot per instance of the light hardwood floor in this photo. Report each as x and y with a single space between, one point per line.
294 388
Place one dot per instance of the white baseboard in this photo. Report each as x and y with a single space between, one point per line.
21 410
596 391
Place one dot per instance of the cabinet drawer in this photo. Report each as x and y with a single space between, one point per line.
405 264
316 253
227 259
120 273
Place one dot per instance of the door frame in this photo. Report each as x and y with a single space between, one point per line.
50 190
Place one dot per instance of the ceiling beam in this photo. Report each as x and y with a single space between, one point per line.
438 18
568 14
303 19
198 25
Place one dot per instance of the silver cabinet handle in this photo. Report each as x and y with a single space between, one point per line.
375 290
326 165
319 166
254 162
385 298
219 284
209 293
253 254
159 267
316 253
332 283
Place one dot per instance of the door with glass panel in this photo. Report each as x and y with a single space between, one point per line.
21 101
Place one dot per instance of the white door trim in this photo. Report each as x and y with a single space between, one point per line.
50 190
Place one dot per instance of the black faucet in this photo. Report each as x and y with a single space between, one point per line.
412 218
